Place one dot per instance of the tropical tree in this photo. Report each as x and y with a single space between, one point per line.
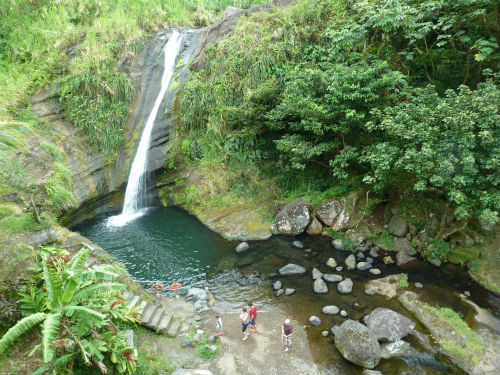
77 308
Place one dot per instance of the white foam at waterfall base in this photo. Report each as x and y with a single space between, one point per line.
136 185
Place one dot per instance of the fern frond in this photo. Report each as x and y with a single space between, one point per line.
64 360
49 334
83 312
22 326
95 289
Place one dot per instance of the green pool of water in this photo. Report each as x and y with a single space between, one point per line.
169 245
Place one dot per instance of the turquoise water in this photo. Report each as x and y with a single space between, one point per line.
164 245
169 245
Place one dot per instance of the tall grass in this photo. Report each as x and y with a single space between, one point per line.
42 42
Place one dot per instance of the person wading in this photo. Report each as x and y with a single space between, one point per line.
253 316
244 323
286 331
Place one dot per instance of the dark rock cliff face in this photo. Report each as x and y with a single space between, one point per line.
98 183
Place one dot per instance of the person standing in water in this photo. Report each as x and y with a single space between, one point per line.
218 325
253 316
244 323
286 331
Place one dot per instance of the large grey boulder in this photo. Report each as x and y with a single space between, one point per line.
339 213
394 349
402 244
330 310
292 269
332 278
202 298
388 325
314 228
345 287
320 286
350 262
402 257
328 211
293 218
397 226
316 274
358 344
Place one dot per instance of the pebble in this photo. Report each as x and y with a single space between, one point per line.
298 244
363 266
280 292
277 285
374 252
343 314
242 247
330 310
314 321
325 333
331 263
289 291
418 285
212 339
186 343
316 274
467 293
360 256
308 251
388 260
369 260
375 271
339 268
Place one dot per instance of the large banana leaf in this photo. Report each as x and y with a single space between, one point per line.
49 334
69 290
97 274
78 260
19 329
83 312
95 289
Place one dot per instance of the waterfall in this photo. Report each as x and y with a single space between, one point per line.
133 206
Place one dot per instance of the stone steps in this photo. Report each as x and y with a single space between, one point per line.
154 316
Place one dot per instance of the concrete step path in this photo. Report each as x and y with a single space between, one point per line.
154 315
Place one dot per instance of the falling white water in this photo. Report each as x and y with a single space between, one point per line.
136 185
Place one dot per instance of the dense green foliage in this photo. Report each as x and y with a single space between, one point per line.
77 312
393 96
80 43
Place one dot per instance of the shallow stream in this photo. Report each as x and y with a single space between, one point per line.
169 245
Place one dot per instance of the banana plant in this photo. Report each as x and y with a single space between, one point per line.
70 324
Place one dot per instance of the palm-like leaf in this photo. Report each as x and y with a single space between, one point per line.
83 312
69 290
12 134
22 326
32 302
49 334
95 289
78 260
95 274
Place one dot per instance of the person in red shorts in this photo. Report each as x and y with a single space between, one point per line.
253 316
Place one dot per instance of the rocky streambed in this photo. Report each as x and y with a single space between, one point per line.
322 285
